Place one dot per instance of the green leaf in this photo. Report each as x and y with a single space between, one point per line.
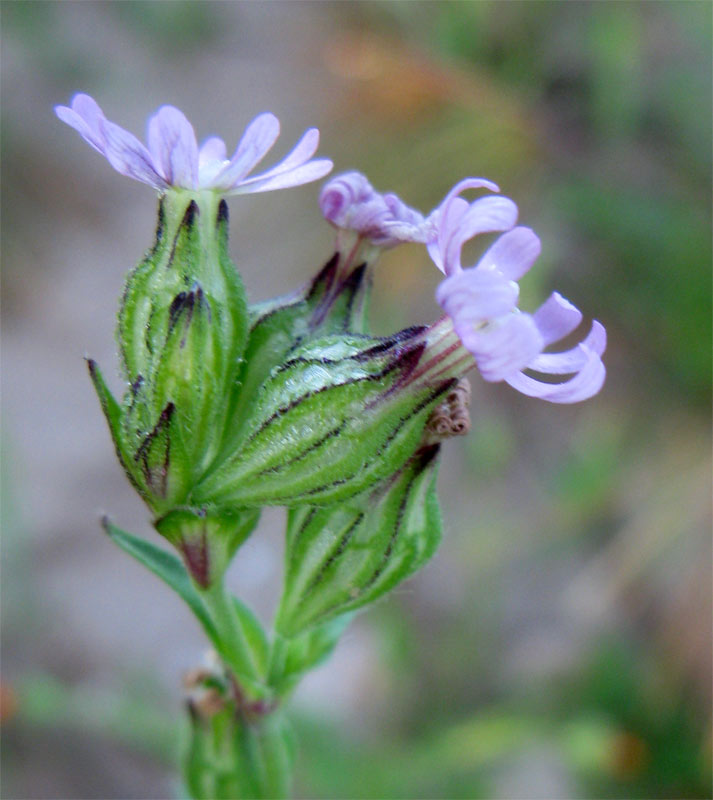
113 413
308 650
167 567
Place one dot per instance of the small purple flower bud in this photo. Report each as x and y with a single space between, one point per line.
173 158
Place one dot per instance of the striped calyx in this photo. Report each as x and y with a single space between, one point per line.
340 558
182 330
337 416
207 539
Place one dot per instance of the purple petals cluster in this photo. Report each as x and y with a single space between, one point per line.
172 157
482 304
482 300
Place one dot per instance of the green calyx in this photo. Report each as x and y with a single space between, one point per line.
207 540
337 416
343 557
182 331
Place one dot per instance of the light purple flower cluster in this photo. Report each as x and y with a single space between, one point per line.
481 301
173 158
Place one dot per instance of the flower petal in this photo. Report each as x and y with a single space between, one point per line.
85 117
259 137
128 156
446 219
213 149
570 361
557 318
513 253
311 171
474 296
485 215
350 202
460 222
173 147
502 347
585 384
212 157
468 183
294 170
300 153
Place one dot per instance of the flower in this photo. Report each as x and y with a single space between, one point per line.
481 301
350 202
173 158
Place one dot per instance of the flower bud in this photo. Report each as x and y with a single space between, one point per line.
343 557
327 304
181 332
338 416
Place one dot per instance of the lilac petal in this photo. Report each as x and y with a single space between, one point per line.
468 183
483 216
513 253
486 215
129 157
173 147
213 149
503 347
585 384
475 296
405 224
349 201
445 219
212 157
311 171
299 155
570 361
340 195
259 137
556 318
85 117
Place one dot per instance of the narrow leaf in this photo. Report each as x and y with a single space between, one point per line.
167 567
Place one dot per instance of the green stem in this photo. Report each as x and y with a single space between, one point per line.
267 743
235 648
232 757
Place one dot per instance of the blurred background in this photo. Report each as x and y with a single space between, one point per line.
559 644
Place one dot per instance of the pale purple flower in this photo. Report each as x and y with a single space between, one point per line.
350 202
173 158
482 304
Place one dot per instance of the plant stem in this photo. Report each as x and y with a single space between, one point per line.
235 648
